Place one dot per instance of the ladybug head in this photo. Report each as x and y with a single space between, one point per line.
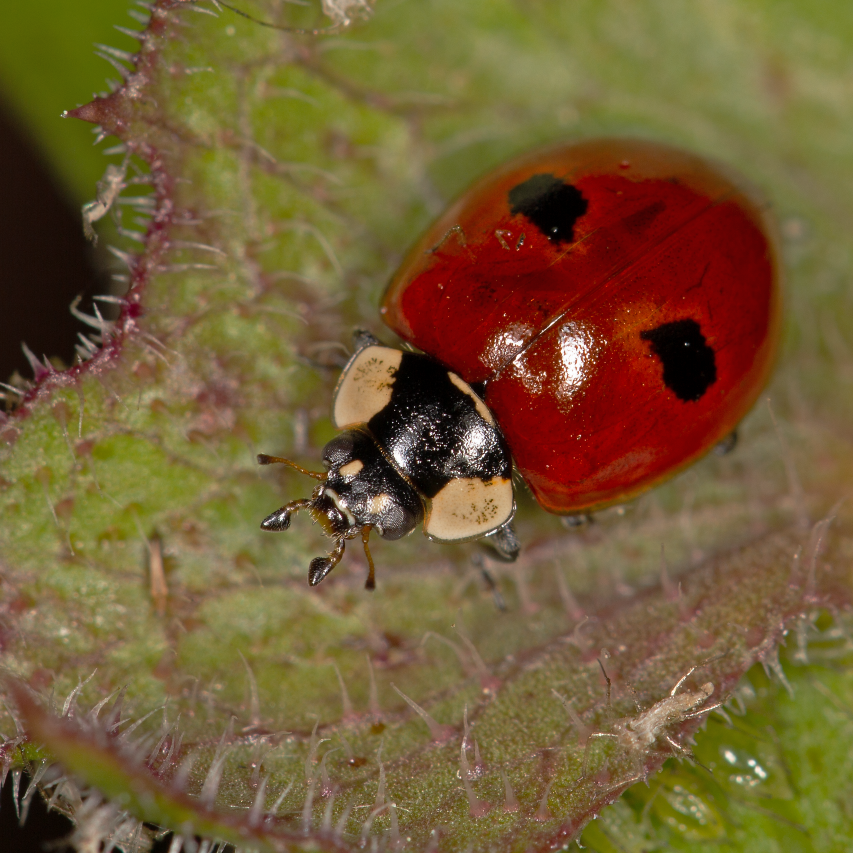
360 492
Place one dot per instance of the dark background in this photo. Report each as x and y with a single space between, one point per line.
48 169
45 261
44 830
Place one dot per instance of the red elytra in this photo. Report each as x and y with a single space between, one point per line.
618 298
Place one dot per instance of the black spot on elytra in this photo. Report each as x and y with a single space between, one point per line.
552 206
688 362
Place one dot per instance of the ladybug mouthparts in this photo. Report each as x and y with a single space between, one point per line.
331 514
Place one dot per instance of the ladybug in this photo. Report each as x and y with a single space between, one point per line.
595 315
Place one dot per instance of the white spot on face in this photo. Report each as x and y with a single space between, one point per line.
351 469
365 386
336 500
468 507
378 503
465 388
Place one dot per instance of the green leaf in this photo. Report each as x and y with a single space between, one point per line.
49 64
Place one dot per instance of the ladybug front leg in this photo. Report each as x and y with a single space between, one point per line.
575 520
361 339
504 541
321 566
280 519
727 445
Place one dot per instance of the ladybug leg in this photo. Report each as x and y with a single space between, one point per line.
362 339
727 445
490 582
370 583
505 542
572 522
321 566
280 519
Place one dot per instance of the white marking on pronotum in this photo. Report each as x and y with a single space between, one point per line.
468 507
365 386
465 388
